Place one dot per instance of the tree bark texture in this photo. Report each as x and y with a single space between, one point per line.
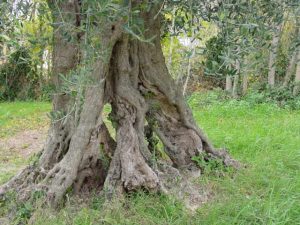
273 56
245 84
293 59
290 69
135 81
296 89
189 71
228 85
236 79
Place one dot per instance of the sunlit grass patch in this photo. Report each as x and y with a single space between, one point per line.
18 116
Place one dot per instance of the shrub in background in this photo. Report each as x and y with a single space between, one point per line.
17 79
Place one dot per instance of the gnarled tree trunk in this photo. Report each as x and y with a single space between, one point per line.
134 79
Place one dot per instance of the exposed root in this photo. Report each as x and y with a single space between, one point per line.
58 180
140 89
226 158
113 187
59 135
92 173
26 182
136 173
182 185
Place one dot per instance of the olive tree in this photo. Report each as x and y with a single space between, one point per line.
114 48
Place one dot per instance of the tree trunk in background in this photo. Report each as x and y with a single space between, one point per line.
245 76
245 84
189 71
228 85
171 40
5 50
4 54
236 78
49 65
297 76
235 87
293 60
134 79
273 56
290 69
64 60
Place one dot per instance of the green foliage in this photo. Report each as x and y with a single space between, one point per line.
215 64
210 166
281 96
24 48
218 96
46 92
22 210
15 72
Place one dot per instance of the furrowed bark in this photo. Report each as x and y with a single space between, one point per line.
65 59
61 168
134 79
129 109
85 137
176 126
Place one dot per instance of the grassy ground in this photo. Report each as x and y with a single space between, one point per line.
19 116
264 137
21 123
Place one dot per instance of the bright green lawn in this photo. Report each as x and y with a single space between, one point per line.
264 137
18 116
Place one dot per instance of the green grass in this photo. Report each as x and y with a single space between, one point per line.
267 139
18 116
264 137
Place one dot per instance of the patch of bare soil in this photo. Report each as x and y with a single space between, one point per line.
23 144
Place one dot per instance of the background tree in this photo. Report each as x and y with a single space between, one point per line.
25 28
